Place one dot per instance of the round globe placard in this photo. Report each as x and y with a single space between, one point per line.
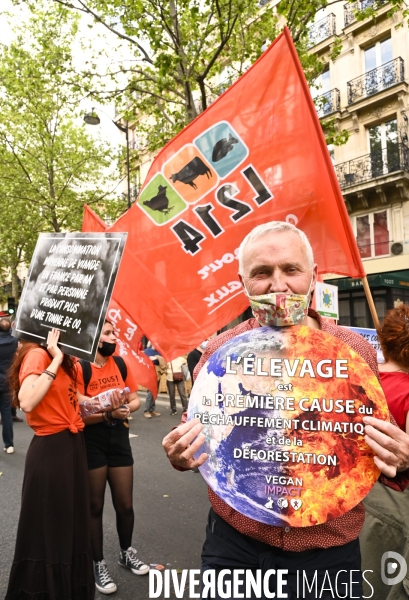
283 413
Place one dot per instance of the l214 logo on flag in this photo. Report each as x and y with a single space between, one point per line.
195 172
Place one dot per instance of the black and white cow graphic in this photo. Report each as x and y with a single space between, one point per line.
191 171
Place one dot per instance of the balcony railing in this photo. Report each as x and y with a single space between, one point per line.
376 80
321 30
328 103
350 9
376 164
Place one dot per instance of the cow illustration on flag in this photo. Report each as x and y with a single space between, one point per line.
257 154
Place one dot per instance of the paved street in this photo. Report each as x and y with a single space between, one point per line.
170 507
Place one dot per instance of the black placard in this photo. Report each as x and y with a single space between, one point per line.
69 286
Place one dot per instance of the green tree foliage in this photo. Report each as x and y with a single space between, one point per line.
182 53
49 164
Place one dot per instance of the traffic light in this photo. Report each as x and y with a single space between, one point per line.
11 305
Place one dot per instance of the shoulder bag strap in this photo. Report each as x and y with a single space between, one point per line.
121 364
86 373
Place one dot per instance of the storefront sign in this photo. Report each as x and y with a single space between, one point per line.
282 411
396 279
69 286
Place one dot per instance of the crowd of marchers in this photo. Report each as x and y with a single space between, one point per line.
80 444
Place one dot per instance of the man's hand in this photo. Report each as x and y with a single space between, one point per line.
181 444
390 444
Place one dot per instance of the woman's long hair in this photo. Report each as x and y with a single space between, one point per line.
68 365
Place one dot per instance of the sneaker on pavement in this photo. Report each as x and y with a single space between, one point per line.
174 412
103 580
155 414
147 415
128 559
9 450
16 419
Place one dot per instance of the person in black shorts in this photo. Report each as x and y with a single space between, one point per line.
109 456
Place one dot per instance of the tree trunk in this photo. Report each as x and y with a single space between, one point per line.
15 292
202 92
190 105
54 220
182 67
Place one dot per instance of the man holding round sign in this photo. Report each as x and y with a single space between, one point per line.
290 429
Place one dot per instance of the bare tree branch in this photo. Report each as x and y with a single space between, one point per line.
162 110
301 28
87 10
208 31
218 51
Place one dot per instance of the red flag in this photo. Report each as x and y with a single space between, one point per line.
256 154
129 335
92 222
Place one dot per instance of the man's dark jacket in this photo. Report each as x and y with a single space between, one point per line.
8 347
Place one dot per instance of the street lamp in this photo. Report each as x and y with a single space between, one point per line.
92 118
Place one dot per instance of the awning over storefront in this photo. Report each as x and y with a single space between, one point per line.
395 279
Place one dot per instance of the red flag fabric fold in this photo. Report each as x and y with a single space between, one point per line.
92 222
129 346
129 334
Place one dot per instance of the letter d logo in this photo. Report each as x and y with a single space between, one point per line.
391 568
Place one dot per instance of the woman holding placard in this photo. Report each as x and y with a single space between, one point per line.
109 455
53 557
385 528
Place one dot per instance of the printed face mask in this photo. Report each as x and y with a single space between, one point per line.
278 309
107 349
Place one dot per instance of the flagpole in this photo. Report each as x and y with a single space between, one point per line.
371 303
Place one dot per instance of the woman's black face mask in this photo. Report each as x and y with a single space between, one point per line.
107 349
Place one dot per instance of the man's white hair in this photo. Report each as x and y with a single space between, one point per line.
272 227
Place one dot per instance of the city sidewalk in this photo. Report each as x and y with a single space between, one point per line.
162 403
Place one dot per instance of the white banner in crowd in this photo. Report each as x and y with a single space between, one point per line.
371 336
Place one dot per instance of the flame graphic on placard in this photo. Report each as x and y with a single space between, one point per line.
350 478
328 485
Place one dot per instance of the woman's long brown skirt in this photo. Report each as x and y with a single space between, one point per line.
53 559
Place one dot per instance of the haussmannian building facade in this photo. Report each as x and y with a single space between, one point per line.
366 91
